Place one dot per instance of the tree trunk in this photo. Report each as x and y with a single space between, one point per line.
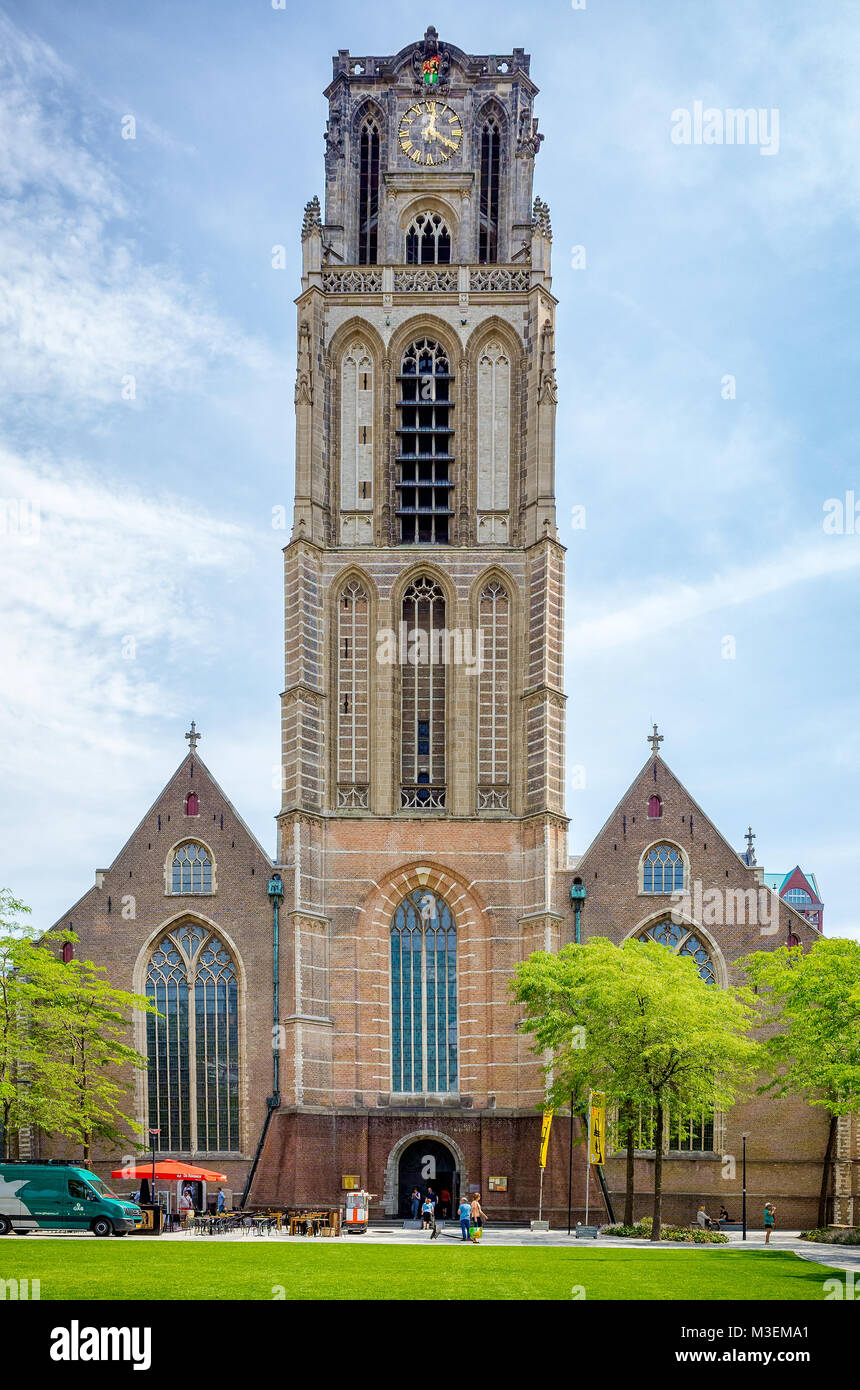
825 1173
631 1181
658 1171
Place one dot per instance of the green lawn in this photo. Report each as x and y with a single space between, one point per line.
204 1269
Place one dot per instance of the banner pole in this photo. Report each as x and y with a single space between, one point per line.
588 1161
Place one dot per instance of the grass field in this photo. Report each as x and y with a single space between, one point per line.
143 1269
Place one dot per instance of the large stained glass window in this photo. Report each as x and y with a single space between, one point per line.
193 1048
423 995
681 938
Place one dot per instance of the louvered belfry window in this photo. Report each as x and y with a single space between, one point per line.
425 437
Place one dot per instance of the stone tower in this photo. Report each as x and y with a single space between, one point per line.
422 826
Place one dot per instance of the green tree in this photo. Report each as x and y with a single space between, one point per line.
812 999
638 1022
26 974
63 1031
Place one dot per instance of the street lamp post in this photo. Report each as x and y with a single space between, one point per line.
153 1135
577 897
744 1198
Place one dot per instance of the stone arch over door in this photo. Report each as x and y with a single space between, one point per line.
391 1190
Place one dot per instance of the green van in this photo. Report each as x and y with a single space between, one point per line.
60 1196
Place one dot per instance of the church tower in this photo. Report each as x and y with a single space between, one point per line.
422 828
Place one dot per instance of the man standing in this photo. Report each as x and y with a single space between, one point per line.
464 1212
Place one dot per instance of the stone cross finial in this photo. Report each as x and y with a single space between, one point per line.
655 740
749 839
193 736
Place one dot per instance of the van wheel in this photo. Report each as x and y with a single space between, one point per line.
102 1227
5 1226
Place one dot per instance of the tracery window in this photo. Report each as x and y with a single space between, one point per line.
356 429
422 698
428 240
683 939
423 995
663 870
368 195
192 869
425 434
488 214
494 698
353 696
193 1046
494 427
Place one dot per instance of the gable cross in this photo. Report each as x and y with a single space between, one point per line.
655 740
193 736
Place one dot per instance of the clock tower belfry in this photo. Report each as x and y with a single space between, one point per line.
422 827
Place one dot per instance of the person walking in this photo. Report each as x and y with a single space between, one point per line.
477 1217
445 1203
221 1203
415 1201
769 1220
427 1213
464 1212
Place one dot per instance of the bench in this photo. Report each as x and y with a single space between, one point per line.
586 1232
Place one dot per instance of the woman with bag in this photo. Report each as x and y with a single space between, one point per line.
477 1216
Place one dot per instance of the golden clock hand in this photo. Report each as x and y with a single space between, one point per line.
445 141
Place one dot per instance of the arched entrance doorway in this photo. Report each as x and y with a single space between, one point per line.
428 1163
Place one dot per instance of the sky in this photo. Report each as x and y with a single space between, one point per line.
147 360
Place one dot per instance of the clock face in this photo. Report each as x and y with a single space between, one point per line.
430 132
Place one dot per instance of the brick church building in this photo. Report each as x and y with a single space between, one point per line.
421 838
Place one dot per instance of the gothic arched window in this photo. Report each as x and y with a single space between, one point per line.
193 1047
655 807
663 870
428 240
356 429
353 697
488 212
494 696
422 697
368 192
798 897
423 995
683 939
192 869
192 804
494 428
425 440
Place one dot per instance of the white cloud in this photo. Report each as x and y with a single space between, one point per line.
673 603
96 607
79 308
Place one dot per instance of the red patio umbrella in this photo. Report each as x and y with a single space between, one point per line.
170 1169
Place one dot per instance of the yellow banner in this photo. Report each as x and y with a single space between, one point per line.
544 1136
596 1126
